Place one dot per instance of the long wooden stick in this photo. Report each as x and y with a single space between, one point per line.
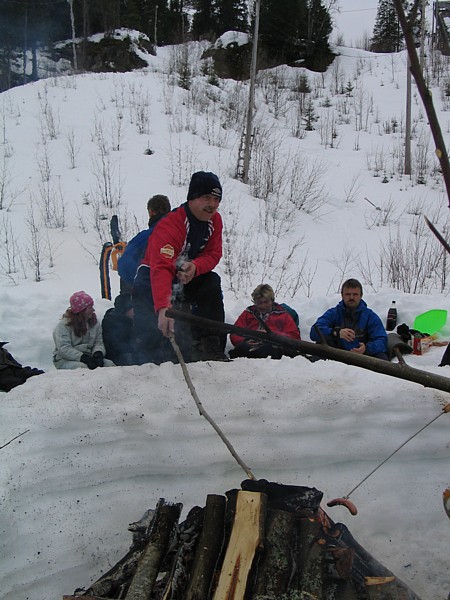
203 412
401 371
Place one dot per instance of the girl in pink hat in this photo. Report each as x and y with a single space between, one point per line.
78 336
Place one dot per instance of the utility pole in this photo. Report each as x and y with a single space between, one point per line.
74 48
25 46
408 119
408 90
422 36
251 96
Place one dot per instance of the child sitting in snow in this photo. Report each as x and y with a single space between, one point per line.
78 336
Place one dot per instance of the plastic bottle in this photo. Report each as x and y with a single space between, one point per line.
391 321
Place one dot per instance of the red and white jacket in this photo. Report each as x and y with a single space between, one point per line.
169 243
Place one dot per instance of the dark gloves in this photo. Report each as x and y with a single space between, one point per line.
98 357
90 361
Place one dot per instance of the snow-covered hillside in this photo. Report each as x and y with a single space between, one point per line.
322 205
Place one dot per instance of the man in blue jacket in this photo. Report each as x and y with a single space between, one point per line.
158 206
351 325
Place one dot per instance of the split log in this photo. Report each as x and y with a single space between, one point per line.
208 549
246 539
141 586
310 558
400 371
276 567
181 556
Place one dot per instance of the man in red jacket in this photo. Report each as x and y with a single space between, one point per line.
182 251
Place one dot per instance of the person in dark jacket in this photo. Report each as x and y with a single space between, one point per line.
264 314
117 329
12 373
351 325
177 270
157 207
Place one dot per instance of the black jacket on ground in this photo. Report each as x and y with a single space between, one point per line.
12 373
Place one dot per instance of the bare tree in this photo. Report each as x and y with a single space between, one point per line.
36 246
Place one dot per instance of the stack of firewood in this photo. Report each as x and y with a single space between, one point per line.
262 542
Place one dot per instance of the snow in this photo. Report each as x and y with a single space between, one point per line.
103 446
231 37
354 19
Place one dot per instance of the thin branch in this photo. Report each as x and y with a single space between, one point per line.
203 412
14 438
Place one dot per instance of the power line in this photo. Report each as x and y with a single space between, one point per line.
356 10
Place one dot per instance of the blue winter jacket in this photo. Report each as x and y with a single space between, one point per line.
366 324
135 251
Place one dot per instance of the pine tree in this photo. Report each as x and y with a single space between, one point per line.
279 27
318 52
387 33
175 24
232 16
205 21
295 29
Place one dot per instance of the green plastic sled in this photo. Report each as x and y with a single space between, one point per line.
431 321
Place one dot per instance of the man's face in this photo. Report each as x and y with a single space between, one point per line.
203 208
351 297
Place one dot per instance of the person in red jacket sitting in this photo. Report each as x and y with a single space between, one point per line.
264 313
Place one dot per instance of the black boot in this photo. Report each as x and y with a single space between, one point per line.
212 349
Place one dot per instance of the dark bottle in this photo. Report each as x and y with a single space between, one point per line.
391 320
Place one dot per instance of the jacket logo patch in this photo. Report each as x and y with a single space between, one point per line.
167 251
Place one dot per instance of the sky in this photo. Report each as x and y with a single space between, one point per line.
353 19
101 447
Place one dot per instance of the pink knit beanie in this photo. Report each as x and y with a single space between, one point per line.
79 301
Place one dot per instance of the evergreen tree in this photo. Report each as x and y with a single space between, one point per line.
205 21
319 30
232 16
387 33
132 15
175 25
279 27
294 29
